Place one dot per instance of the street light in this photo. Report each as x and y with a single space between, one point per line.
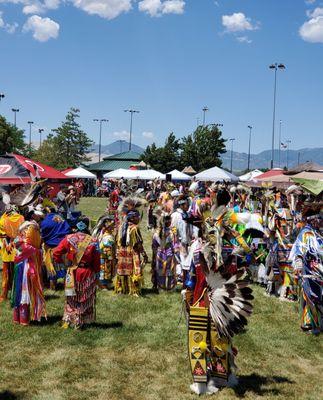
231 140
15 110
204 109
275 67
288 143
30 124
250 129
2 96
100 137
279 141
40 130
131 116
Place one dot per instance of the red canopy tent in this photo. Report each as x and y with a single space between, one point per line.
16 169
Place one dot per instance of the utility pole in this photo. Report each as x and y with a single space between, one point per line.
288 143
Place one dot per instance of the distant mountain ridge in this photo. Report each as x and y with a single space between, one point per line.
262 160
240 160
119 146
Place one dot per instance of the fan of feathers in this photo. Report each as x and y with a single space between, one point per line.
229 297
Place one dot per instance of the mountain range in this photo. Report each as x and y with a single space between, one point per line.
240 160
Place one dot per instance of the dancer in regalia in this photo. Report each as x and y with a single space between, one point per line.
218 304
83 267
10 222
106 235
307 258
165 254
53 230
27 298
131 255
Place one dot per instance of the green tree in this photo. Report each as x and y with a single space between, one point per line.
203 148
166 158
70 145
11 138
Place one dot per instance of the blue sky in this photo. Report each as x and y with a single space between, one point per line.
168 59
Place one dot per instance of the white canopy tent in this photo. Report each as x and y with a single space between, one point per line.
216 174
80 173
249 176
140 174
179 176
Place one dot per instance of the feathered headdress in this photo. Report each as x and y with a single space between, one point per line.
129 204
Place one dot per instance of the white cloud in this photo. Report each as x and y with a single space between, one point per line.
108 9
244 39
121 135
148 135
43 29
156 8
317 12
9 28
238 22
312 30
310 1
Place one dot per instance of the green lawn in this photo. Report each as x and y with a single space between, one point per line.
137 350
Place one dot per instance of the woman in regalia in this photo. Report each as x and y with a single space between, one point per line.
27 298
82 259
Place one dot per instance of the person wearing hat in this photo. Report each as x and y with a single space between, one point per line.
82 260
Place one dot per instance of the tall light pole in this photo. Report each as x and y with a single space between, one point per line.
2 96
131 116
40 130
275 67
279 141
288 143
250 129
100 137
30 124
204 109
298 158
15 110
231 140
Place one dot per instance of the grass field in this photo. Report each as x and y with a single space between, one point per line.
137 350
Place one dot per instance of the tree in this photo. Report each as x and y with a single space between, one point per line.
203 148
11 138
68 148
163 159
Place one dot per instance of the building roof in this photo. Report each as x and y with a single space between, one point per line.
305 167
126 155
122 160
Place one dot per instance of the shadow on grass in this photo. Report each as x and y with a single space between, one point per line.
147 291
49 297
7 395
104 325
255 383
51 320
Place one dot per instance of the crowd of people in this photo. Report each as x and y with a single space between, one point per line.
208 240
